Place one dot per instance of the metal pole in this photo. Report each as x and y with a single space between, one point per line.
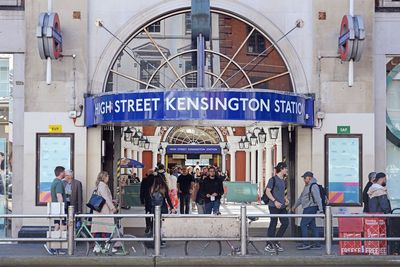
71 230
243 231
200 60
157 230
328 230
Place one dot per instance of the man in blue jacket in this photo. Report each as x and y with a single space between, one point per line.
378 197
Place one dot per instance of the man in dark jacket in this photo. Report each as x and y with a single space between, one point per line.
378 198
371 177
212 189
145 197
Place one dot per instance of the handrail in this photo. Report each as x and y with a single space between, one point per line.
243 238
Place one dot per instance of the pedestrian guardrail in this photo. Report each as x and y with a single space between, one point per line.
238 222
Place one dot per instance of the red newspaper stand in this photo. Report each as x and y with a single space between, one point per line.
375 227
350 228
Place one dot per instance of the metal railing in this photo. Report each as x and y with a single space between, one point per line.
244 238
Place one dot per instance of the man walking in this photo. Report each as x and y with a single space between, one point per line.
212 190
378 197
310 200
275 191
58 190
145 198
371 177
73 191
185 189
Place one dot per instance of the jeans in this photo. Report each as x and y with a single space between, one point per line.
272 225
212 207
148 209
184 202
309 221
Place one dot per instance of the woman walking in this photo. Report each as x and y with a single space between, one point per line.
103 227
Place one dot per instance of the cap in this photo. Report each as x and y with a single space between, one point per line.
307 174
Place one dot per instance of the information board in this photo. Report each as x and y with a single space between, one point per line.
343 169
52 150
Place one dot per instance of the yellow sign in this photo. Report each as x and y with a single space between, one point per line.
55 128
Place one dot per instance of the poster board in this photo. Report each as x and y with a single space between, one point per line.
343 169
51 150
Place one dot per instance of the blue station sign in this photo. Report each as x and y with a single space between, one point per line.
193 149
199 105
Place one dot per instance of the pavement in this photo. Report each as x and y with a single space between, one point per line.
34 254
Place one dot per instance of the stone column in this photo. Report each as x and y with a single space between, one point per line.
223 165
140 159
233 165
268 162
155 153
247 166
279 146
253 169
260 168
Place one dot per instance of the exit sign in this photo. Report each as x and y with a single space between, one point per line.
343 129
55 128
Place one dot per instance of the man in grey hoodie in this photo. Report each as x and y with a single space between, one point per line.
378 197
311 203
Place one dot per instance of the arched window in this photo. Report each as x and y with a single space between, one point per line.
193 135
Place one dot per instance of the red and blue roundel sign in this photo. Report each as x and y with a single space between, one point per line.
49 36
352 34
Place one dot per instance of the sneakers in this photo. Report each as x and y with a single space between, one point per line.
97 248
270 248
303 247
279 247
50 250
316 246
163 244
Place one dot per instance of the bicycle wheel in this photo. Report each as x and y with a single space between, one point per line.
87 244
203 248
134 248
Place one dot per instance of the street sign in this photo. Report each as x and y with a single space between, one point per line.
343 129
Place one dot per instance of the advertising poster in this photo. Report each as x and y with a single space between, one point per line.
344 169
53 151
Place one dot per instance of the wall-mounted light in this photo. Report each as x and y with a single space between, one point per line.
273 133
128 134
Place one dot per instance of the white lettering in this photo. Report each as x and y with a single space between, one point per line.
181 103
123 102
116 106
233 106
130 105
244 100
169 103
264 105
288 108
204 103
147 106
193 104
254 107
139 104
218 102
277 106
155 101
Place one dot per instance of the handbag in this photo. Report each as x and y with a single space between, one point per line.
96 202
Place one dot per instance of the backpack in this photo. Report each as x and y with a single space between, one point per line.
156 199
264 197
322 193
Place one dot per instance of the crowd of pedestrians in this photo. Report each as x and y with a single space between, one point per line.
203 187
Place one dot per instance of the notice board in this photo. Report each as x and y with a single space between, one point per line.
343 169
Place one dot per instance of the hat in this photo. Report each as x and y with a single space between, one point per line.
379 175
307 174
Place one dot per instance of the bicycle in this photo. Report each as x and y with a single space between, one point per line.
214 248
110 247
